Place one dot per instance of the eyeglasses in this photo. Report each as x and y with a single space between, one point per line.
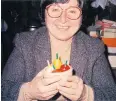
55 11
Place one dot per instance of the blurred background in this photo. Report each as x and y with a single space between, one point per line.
16 17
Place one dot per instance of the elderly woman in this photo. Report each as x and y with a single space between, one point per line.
23 77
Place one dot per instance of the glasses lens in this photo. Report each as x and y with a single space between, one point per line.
54 11
73 13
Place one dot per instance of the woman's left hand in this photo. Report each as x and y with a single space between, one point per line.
72 88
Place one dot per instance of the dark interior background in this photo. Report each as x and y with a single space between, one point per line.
20 16
23 16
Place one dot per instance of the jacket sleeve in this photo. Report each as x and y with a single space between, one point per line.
102 80
13 74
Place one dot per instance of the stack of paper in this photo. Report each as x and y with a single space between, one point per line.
109 32
112 61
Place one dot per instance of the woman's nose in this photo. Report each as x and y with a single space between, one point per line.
63 17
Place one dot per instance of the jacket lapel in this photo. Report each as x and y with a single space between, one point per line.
78 54
42 50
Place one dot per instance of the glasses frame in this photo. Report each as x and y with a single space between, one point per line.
65 10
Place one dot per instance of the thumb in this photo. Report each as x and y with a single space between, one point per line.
48 69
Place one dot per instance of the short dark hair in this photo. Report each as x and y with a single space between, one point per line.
45 3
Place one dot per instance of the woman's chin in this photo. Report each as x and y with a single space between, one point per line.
63 38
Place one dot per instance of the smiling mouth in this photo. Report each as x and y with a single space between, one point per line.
62 27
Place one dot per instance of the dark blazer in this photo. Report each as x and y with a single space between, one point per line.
31 51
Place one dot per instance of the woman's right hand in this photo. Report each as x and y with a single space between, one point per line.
42 88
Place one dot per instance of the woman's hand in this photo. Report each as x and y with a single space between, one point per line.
42 88
72 88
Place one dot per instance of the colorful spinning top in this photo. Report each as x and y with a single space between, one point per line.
57 62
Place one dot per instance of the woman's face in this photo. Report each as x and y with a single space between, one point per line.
63 20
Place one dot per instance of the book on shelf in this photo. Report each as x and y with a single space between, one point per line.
111 29
111 50
112 61
109 34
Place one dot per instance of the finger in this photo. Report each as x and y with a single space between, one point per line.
67 84
45 98
69 91
50 80
50 93
73 94
50 74
73 79
71 97
50 88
